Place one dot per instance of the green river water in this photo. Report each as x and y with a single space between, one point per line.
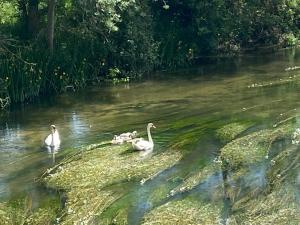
187 107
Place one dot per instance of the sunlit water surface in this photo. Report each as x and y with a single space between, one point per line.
196 100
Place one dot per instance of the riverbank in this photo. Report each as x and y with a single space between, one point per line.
43 82
37 82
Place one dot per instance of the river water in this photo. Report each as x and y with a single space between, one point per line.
195 101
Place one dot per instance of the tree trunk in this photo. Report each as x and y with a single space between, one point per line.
23 19
33 17
29 14
51 20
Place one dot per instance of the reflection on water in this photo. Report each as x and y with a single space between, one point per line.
146 154
186 105
52 151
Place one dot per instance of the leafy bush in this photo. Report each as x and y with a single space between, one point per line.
94 38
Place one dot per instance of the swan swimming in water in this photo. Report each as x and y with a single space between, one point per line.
117 140
53 139
143 145
128 136
124 137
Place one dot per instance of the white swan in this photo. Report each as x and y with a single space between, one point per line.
53 139
124 137
117 140
128 136
143 145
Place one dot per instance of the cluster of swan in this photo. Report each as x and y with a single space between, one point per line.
53 140
124 137
137 143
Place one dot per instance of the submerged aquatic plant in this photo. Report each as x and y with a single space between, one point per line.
186 211
277 208
95 182
195 179
231 131
89 178
284 166
276 203
21 212
252 148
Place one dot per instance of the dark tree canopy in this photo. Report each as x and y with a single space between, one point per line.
73 42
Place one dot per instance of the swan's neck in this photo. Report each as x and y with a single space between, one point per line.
149 135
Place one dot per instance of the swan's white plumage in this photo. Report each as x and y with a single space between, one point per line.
117 140
53 139
124 137
128 136
144 145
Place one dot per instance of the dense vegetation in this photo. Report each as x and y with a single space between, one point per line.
48 46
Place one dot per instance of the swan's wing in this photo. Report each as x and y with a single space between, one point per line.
56 139
126 136
48 140
135 140
123 135
142 145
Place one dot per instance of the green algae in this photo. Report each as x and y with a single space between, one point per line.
117 214
120 217
186 211
249 150
237 156
231 131
276 203
195 179
90 179
161 192
190 131
284 166
87 177
252 148
20 212
276 208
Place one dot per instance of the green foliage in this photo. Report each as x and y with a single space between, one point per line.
94 38
290 39
187 29
89 46
8 12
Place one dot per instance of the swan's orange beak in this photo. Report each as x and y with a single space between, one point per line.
153 126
